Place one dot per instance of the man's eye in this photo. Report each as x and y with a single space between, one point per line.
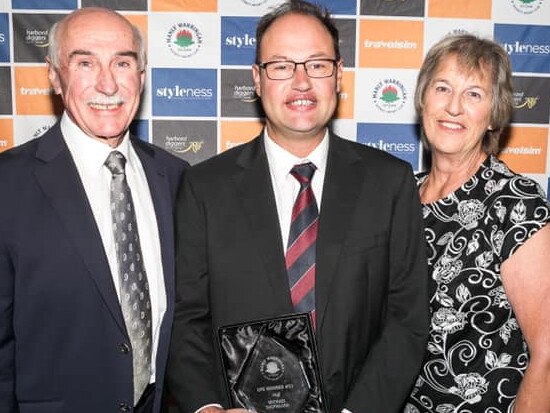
281 66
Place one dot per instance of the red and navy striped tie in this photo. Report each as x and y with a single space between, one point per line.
300 254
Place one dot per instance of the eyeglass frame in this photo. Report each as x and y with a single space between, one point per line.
263 65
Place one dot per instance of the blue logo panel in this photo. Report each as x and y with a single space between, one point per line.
140 128
401 140
528 46
238 40
184 92
45 5
4 38
548 190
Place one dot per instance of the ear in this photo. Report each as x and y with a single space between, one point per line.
256 76
55 80
142 80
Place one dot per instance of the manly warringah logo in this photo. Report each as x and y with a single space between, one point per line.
184 39
272 368
526 6
389 95
254 2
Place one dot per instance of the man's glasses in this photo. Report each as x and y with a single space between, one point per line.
284 69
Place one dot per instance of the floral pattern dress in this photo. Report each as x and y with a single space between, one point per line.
476 355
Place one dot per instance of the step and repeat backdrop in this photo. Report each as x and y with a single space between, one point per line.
199 98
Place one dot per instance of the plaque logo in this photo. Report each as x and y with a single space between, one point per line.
272 368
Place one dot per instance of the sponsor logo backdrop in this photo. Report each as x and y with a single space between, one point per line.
199 98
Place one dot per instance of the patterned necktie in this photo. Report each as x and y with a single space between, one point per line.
134 289
300 254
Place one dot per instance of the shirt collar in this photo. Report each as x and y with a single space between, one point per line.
89 154
281 161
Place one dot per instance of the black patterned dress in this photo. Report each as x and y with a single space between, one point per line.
476 354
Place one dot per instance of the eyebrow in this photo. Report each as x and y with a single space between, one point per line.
81 52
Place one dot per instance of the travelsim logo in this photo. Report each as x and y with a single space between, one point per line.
526 150
346 96
391 44
34 94
239 132
6 134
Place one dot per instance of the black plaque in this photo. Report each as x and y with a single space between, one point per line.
271 365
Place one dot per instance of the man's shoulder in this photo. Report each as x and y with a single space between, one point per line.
19 155
228 160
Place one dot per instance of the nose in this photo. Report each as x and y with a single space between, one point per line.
106 82
301 80
454 105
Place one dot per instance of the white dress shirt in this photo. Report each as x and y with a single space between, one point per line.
89 156
285 186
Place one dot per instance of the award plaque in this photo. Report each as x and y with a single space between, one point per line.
271 365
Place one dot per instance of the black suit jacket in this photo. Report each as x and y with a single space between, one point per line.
62 335
371 275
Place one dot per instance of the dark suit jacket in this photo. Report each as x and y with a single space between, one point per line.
371 275
63 343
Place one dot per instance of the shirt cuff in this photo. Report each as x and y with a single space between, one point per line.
210 405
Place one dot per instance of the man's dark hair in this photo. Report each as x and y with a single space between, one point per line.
298 7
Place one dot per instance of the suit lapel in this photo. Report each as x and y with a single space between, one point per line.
255 191
58 177
343 178
160 193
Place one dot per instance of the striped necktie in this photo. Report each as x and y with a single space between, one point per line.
300 254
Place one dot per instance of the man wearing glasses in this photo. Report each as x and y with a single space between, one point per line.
301 220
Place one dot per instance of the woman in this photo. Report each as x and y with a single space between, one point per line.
488 243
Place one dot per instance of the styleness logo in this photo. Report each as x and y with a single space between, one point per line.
392 147
39 38
527 6
241 41
245 93
521 101
2 38
183 144
526 49
184 39
178 92
389 95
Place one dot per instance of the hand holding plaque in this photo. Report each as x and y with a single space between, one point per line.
271 365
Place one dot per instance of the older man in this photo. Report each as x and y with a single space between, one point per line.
86 238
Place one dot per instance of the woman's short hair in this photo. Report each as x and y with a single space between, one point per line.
476 54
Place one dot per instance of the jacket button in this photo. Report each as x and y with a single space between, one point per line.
124 407
124 348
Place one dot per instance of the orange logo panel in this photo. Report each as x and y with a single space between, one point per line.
188 5
346 97
34 94
237 133
391 43
6 134
526 150
140 21
466 9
